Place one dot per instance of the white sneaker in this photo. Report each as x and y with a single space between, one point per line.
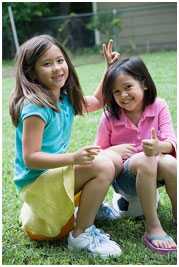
94 241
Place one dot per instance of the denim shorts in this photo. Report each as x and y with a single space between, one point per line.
125 182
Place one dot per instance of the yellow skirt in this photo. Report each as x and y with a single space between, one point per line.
48 204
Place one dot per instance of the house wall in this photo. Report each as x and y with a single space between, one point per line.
147 26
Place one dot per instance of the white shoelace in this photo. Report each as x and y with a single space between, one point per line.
97 237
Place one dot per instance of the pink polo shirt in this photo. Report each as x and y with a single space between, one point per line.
112 131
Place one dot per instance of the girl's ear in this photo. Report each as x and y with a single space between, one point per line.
145 88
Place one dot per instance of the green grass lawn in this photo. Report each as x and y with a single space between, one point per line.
18 249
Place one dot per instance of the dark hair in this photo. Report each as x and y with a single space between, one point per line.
27 88
134 67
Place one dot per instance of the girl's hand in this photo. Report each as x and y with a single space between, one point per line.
86 155
124 150
151 146
109 55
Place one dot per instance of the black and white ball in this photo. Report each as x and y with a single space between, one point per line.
129 206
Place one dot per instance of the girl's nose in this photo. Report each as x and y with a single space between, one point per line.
124 94
55 66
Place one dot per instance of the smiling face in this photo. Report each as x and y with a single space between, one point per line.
128 93
51 70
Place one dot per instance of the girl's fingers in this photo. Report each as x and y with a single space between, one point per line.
153 133
88 158
93 153
110 46
107 49
115 56
148 149
104 50
133 149
147 142
93 149
109 55
89 147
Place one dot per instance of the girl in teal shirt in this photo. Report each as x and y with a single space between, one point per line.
42 107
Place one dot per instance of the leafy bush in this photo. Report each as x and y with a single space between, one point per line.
105 23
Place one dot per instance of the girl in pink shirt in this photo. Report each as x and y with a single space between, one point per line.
137 126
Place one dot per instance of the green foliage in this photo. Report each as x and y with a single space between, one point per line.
64 28
17 249
24 13
105 23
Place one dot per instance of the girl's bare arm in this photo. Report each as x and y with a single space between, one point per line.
36 159
95 101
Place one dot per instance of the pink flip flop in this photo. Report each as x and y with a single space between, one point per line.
148 242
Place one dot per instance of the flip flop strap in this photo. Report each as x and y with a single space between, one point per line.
160 237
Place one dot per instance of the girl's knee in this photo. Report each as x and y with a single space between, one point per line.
167 161
114 157
167 165
143 164
105 168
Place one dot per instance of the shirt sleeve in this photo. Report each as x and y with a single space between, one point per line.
35 110
166 131
103 135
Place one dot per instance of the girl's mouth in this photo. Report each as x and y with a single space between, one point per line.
58 78
126 102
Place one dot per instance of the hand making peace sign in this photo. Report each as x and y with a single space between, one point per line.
109 55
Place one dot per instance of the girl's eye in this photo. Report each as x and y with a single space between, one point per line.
46 64
60 60
117 92
128 86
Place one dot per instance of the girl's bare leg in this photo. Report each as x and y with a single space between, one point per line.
167 171
146 173
146 176
94 181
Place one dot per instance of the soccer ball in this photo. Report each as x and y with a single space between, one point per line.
129 206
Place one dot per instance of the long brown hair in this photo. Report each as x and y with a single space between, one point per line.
27 88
